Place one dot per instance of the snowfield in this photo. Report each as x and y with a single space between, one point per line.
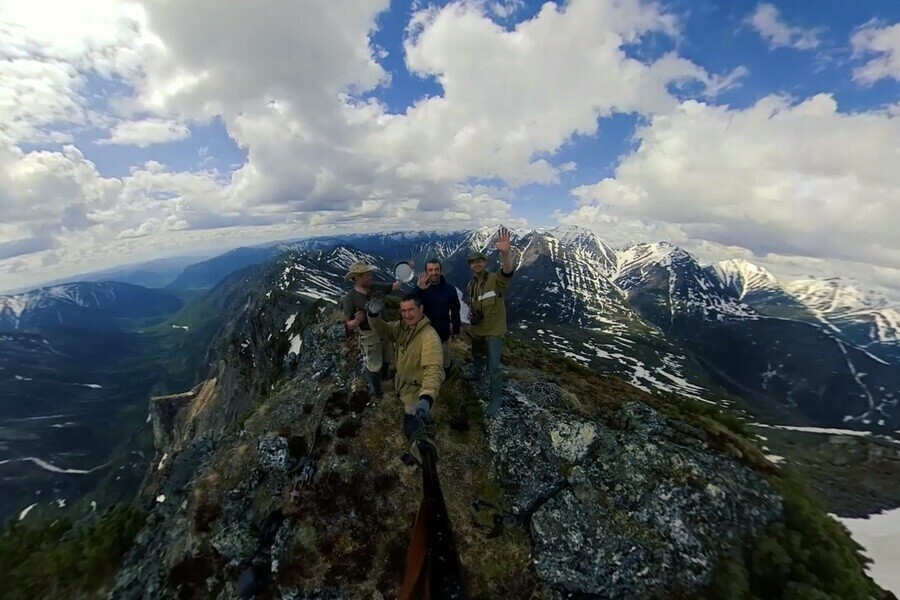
879 535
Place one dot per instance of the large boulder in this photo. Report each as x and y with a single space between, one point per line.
624 513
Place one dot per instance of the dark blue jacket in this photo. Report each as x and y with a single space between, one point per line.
441 304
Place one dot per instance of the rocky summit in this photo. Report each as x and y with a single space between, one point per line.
286 482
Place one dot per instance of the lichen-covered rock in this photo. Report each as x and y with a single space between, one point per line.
236 537
274 455
650 516
281 548
572 441
235 541
531 443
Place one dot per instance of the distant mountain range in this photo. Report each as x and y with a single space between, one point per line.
87 305
654 316
818 351
152 274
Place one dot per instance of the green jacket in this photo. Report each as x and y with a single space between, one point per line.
418 356
486 294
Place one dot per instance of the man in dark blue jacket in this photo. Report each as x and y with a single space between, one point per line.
441 303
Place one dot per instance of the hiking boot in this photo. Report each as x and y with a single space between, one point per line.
374 381
494 407
470 374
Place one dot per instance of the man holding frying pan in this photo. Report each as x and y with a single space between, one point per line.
377 351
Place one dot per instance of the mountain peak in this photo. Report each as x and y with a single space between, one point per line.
645 253
743 276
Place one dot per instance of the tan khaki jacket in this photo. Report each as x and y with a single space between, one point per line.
486 294
418 356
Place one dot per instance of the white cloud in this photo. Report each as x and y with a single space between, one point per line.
767 21
494 119
289 82
775 178
46 59
146 132
884 42
288 95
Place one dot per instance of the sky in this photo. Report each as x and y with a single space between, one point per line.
768 131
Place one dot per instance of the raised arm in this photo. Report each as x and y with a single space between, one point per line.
503 245
379 325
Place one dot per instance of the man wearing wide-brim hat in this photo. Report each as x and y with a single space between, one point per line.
376 350
486 294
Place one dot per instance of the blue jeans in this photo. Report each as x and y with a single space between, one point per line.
486 351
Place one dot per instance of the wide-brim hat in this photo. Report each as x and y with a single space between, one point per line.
358 268
477 255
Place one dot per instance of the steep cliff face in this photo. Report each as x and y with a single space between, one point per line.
242 364
582 486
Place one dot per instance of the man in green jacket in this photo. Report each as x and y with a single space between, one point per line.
487 314
419 360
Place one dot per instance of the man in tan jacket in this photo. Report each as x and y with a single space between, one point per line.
418 357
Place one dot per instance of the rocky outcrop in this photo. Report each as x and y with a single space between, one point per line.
626 512
203 528
640 511
614 502
175 417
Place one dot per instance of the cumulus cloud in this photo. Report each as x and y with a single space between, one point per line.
778 177
884 43
45 62
767 21
292 97
511 97
146 132
298 97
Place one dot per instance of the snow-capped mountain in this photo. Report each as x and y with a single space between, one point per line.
666 284
834 296
588 247
84 304
566 283
394 246
320 273
746 279
861 317
880 325
757 287
483 238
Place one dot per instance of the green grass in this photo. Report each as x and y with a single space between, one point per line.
62 559
804 554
